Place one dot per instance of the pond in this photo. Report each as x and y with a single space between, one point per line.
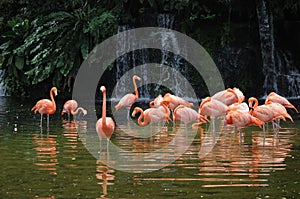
54 163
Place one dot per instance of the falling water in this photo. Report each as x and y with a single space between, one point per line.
2 86
174 60
131 60
279 70
265 23
122 62
288 76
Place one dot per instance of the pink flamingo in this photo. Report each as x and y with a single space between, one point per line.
262 112
152 115
229 96
187 114
212 108
175 101
105 126
71 107
242 119
274 97
46 106
129 99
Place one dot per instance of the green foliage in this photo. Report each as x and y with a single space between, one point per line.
51 47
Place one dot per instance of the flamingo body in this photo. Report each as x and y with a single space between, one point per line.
187 114
241 107
71 107
175 101
242 119
274 97
46 106
213 108
152 115
262 112
129 99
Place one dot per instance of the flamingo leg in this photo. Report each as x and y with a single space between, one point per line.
41 122
264 131
128 112
107 145
47 120
213 124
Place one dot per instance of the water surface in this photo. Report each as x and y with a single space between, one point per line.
54 163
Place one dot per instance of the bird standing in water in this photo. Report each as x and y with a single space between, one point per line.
46 106
128 99
71 107
105 126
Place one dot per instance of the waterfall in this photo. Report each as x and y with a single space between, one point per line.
288 76
174 60
122 62
131 60
279 70
2 86
265 24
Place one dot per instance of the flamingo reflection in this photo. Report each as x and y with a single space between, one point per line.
105 177
45 147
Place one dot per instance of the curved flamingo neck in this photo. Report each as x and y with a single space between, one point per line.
142 121
204 101
52 99
135 87
77 110
251 100
104 108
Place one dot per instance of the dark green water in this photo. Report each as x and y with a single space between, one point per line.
54 163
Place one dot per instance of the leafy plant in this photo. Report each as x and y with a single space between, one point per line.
52 47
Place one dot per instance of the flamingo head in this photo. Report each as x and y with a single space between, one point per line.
103 89
135 77
252 100
54 90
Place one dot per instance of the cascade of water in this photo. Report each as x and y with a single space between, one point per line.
143 56
174 60
265 23
122 62
287 74
2 86
280 73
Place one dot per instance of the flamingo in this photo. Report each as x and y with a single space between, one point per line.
156 102
175 101
229 96
279 112
187 114
262 112
242 119
70 107
46 106
105 126
213 108
129 99
152 115
274 97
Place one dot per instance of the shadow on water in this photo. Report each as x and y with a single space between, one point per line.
54 163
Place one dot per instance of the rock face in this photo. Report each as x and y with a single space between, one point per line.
241 67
